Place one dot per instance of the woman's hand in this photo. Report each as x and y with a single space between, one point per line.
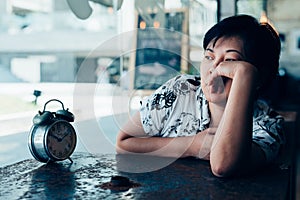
220 78
203 142
133 139
232 69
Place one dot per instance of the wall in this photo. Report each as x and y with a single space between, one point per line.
285 16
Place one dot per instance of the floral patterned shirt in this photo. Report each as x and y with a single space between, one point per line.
179 108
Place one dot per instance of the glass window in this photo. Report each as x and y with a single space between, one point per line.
49 48
251 7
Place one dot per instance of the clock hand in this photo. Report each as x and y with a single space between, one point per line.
57 138
65 135
60 138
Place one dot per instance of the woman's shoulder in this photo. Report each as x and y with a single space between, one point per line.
192 79
262 108
183 82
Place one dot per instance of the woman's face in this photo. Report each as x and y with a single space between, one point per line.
226 49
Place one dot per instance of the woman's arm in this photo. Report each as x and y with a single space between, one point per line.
232 150
133 139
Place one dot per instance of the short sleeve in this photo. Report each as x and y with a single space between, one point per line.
268 130
155 109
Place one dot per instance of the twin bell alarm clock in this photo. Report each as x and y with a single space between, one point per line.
52 137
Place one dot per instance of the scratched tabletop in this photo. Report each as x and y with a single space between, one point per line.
110 176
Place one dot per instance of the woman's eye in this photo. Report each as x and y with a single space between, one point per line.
230 59
208 57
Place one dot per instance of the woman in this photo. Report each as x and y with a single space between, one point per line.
217 117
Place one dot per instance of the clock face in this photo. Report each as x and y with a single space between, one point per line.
61 140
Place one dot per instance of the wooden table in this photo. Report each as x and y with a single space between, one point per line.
114 177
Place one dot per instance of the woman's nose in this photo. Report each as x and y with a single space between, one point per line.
216 62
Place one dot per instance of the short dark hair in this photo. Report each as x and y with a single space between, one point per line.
261 43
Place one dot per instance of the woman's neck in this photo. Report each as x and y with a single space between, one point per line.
216 113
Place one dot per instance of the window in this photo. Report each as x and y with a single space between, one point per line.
48 52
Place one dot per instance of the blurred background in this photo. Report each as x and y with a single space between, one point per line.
108 48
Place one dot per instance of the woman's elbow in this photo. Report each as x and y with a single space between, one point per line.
119 144
221 168
120 150
220 171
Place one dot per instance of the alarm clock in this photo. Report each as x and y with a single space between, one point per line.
52 137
